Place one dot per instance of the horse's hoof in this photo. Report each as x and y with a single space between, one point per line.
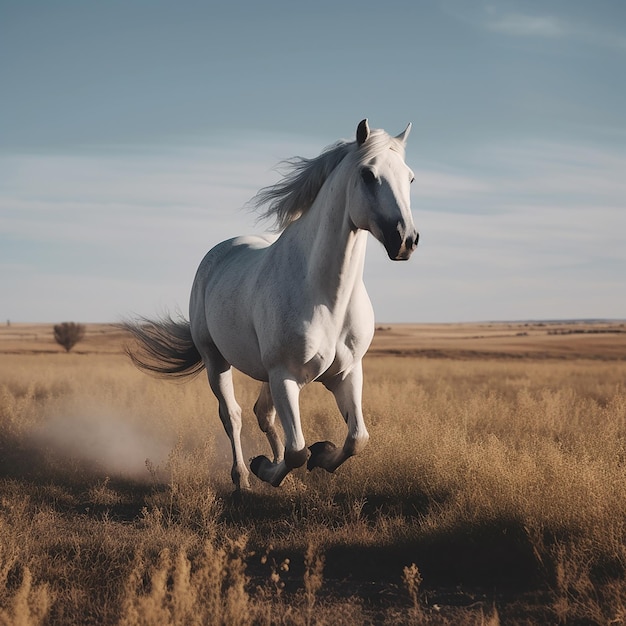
258 463
318 451
241 495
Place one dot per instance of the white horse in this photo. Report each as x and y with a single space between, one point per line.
291 310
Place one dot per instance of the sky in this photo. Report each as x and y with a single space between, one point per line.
133 133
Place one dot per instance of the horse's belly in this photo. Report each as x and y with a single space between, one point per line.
239 345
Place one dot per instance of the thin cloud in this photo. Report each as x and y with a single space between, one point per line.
535 217
567 172
549 27
97 238
121 197
520 25
430 183
515 21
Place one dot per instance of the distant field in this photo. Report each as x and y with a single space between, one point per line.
39 339
493 489
562 340
536 340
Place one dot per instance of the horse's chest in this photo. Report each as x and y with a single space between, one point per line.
344 359
326 361
318 341
329 356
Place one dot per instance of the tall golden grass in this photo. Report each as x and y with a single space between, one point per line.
493 490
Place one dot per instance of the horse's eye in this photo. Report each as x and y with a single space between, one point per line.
412 179
369 178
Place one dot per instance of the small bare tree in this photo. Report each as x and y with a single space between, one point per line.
68 334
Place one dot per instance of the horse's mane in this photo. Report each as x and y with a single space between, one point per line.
291 197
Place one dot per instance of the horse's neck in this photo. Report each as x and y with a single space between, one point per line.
335 249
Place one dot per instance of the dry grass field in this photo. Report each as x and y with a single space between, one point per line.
493 490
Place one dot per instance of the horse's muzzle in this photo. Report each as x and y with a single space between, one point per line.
400 249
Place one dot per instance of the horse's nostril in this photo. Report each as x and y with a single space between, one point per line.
411 243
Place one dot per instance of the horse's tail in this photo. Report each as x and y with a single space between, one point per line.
164 347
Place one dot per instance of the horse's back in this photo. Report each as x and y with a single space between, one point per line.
238 256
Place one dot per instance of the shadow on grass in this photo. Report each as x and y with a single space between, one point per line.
488 555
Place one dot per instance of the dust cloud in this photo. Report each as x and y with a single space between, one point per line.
104 442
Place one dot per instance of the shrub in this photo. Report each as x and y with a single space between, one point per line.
68 334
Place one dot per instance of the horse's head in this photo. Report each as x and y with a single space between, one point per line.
380 199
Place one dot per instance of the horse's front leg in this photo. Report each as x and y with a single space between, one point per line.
347 390
285 393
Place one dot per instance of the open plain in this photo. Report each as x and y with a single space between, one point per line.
492 491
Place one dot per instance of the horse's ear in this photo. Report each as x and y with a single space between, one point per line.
362 132
404 135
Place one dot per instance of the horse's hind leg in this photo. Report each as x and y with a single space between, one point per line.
221 381
266 416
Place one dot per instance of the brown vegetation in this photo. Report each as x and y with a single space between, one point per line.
68 334
493 489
